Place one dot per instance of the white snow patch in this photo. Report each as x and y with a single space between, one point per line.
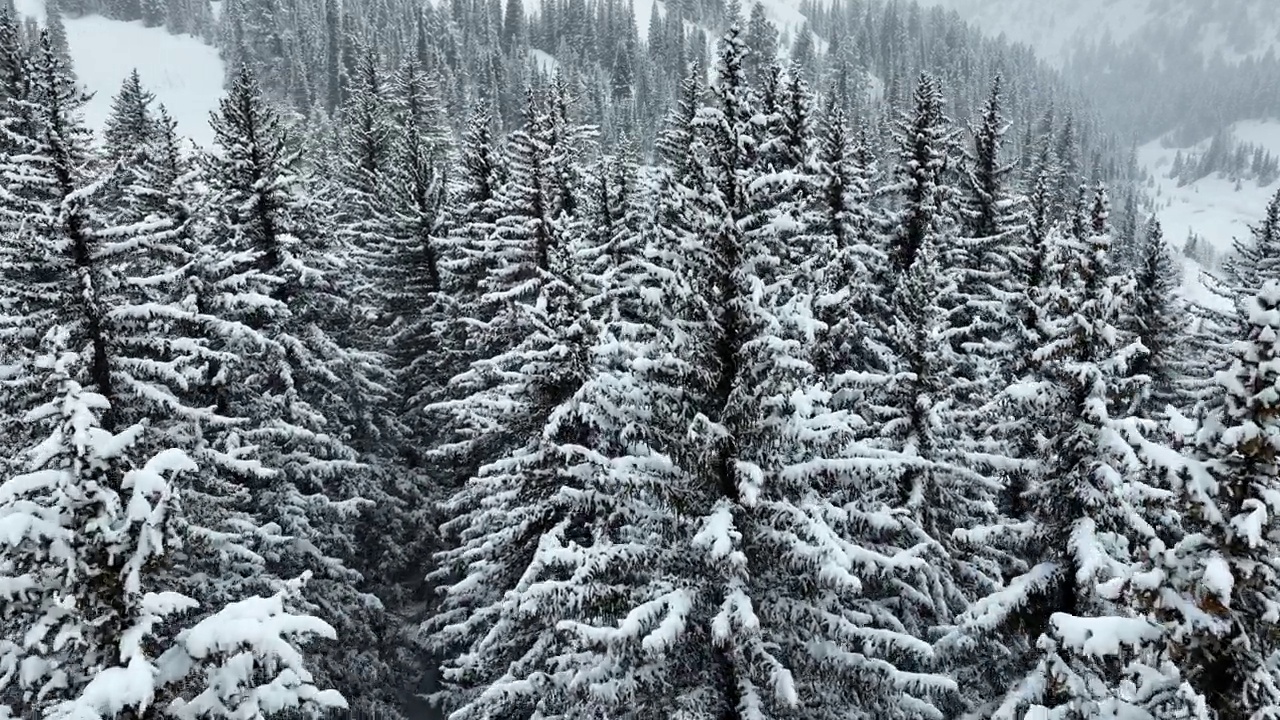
185 74
1219 580
644 15
544 60
1211 207
1103 637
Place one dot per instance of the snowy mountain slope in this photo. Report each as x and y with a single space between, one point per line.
1234 27
185 74
1211 207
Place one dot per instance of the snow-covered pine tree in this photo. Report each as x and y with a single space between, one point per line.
1251 264
70 612
930 389
103 258
164 201
1158 320
646 628
729 139
990 321
1038 304
116 281
992 226
52 269
481 173
787 440
608 227
765 455
292 382
512 254
361 256
130 128
681 193
456 340
781 181
1256 260
93 571
925 145
57 31
761 38
497 625
138 142
365 147
1070 186
569 138
1085 513
418 174
1229 587
13 76
850 300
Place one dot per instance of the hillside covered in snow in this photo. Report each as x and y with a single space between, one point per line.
1235 28
185 73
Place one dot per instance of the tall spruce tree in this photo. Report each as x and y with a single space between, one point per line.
850 299
292 381
498 624
1229 583
1086 507
96 622
927 405
1158 322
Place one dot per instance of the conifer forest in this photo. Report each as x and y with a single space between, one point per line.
510 360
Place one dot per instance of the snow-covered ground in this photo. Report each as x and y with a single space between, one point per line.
545 61
1211 207
185 74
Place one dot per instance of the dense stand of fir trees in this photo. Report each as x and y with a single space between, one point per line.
308 51
819 415
625 77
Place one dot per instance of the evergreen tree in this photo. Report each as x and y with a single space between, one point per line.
992 225
850 300
1158 320
761 39
130 127
465 263
416 256
1229 584
53 278
365 157
770 455
1255 259
929 403
292 381
925 141
497 627
988 266
12 62
91 555
609 226
1086 507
